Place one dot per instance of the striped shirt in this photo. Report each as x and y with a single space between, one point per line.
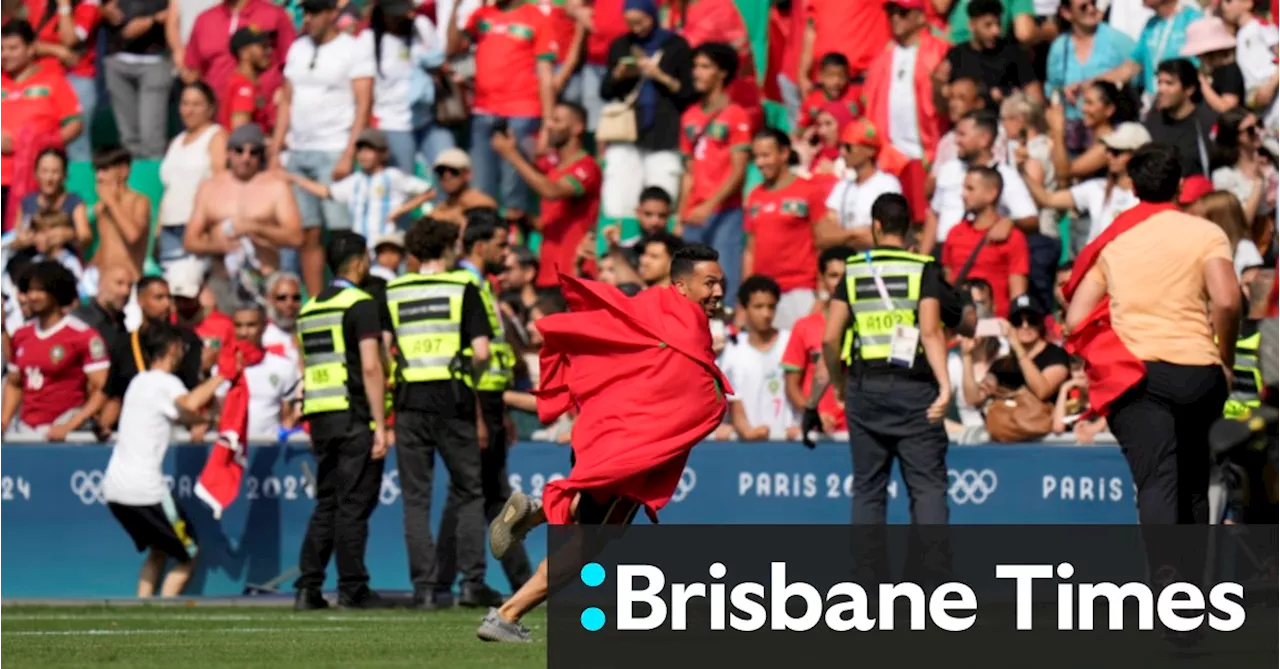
370 198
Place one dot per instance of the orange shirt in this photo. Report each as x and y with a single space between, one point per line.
509 44
718 135
41 102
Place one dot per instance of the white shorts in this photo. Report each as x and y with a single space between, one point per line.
628 171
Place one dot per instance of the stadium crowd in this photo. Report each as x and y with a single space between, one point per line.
604 134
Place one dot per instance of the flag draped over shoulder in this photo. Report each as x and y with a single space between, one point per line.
219 483
642 375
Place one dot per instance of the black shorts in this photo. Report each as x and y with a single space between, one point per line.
613 511
162 526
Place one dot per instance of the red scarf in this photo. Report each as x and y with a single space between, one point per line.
643 377
1111 367
220 481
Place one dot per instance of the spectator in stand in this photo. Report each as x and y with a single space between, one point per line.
1073 404
207 54
569 35
284 302
901 90
656 251
847 221
854 28
606 25
788 19
1221 81
1102 199
620 267
719 21
1017 20
653 213
1023 122
1255 50
1089 50
716 143
998 249
568 182
55 378
67 31
1104 106
105 312
243 101
1161 40
388 256
122 215
781 214
1223 209
518 294
515 52
325 103
833 86
818 148
1242 169
964 96
802 359
197 153
186 278
139 73
453 172
974 356
653 66
273 382
1031 362
1180 119
405 46
999 63
52 195
975 139
759 409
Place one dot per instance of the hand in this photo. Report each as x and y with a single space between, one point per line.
811 422
542 145
112 13
757 433
1055 116
1084 433
626 69
1231 377
938 410
793 433
57 432
503 143
160 16
25 238
988 386
1072 93
699 214
837 390
343 167
997 95
967 344
806 86
380 445
198 432
482 434
1007 331
649 68
613 234
1206 82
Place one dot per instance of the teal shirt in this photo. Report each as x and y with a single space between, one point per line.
958 24
1162 40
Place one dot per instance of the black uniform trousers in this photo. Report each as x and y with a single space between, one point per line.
347 483
496 488
419 436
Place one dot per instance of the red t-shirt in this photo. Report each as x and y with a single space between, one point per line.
42 102
996 262
84 15
780 223
859 29
566 221
805 342
53 365
217 330
607 25
243 94
798 20
561 26
509 44
725 132
818 99
209 47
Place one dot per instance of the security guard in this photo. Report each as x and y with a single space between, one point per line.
442 334
343 386
898 392
1246 378
484 245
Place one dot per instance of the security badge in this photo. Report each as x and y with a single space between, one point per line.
902 347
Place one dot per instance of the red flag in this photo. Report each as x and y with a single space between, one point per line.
643 377
219 483
1111 367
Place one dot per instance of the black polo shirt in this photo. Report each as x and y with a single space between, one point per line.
110 326
124 362
451 398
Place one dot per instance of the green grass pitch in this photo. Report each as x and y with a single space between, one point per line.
167 637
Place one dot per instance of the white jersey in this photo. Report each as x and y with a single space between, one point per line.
272 382
758 383
276 340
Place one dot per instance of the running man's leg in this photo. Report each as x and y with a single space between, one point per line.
149 578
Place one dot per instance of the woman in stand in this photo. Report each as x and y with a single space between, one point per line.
1087 49
197 153
1242 169
1031 362
405 46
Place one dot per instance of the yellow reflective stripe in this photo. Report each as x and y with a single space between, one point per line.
320 322
424 290
865 306
1248 362
423 361
317 359
875 340
437 327
884 269
321 393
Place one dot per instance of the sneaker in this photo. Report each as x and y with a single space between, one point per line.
516 518
494 628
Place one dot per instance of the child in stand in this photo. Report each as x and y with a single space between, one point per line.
1073 403
833 86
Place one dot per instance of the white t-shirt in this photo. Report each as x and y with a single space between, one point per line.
758 383
851 201
1247 256
370 198
272 382
904 130
391 87
970 415
135 474
1091 198
1256 52
277 341
948 196
323 107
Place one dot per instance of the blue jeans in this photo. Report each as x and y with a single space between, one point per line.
426 142
493 175
318 166
169 244
86 88
592 76
722 232
791 98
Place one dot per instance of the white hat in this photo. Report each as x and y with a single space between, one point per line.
395 239
185 277
1127 136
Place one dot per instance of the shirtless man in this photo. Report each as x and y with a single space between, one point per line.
243 216
123 217
453 172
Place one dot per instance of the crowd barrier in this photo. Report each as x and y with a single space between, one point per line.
61 541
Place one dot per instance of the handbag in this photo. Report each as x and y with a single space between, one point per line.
618 123
450 103
1018 416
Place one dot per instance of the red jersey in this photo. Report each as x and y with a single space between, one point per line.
708 142
606 26
859 29
704 21
797 20
208 53
996 262
561 26
42 102
85 15
53 366
818 99
217 330
243 94
509 44
780 225
806 344
566 221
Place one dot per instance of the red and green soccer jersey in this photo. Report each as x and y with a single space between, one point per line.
805 342
566 221
243 95
817 100
708 142
509 44
780 223
41 102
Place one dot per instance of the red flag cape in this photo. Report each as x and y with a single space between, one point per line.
643 377
1111 367
219 483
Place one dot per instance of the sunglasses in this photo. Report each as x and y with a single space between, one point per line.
1025 322
1086 6
1251 130
288 297
447 171
248 150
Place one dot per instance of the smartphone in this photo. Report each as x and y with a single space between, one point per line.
500 126
988 327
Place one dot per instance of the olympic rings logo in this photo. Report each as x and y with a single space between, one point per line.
688 480
390 490
88 486
969 486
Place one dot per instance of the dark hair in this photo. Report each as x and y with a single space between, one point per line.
985 121
689 255
205 90
672 243
656 193
157 339
56 153
990 175
579 112
111 156
428 239
624 254
148 281
525 257
19 28
1226 144
482 224
835 59
893 213
380 26
1183 71
758 283
1156 171
344 246
980 8
1126 109
832 254
781 139
980 284
53 278
723 55
551 302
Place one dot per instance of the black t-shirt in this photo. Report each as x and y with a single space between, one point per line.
1009 375
150 42
1190 135
124 363
932 285
1006 67
449 398
110 326
1229 80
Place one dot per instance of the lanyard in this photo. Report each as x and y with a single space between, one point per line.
880 287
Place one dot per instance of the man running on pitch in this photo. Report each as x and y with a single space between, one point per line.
641 373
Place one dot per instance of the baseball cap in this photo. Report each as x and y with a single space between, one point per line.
1024 305
185 277
908 5
246 36
1193 188
395 239
1128 136
373 138
248 134
861 132
455 158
